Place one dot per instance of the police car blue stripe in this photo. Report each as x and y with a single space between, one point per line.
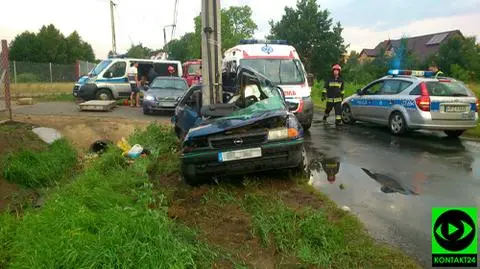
115 80
383 103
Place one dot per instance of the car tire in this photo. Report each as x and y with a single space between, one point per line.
302 167
103 94
306 126
347 116
454 133
397 123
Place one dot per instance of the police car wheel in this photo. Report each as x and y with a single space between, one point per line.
397 124
347 116
104 94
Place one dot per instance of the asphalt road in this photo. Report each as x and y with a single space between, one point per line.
72 109
392 183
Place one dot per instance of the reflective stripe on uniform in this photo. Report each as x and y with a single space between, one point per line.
338 99
335 84
439 73
324 90
338 117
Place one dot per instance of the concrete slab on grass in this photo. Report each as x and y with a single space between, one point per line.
48 135
97 105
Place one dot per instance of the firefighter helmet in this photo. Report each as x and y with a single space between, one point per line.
336 67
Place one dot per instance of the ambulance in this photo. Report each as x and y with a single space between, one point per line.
280 63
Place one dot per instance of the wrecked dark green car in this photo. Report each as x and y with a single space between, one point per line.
252 131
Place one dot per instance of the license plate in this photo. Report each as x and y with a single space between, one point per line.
166 104
239 154
455 109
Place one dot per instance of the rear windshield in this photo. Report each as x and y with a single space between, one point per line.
453 88
176 84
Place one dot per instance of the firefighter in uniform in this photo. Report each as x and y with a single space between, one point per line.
434 68
333 92
331 166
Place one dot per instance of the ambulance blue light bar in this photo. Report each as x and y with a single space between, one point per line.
416 73
260 41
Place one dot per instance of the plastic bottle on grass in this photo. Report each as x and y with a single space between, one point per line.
135 151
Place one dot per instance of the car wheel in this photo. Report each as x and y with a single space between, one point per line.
302 167
307 126
347 116
397 124
454 133
104 94
146 111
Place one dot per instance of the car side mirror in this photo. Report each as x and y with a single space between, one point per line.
108 74
360 92
310 80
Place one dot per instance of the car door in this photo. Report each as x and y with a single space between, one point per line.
389 96
116 79
363 104
188 111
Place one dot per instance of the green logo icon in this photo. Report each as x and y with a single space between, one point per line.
454 237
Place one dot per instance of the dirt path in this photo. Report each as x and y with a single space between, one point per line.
82 131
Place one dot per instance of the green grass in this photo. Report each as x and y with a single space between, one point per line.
41 87
109 217
63 97
316 240
350 88
40 168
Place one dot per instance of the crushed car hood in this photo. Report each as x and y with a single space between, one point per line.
269 108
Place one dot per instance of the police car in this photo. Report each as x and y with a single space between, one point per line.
407 100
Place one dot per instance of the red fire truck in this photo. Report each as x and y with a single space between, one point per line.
192 71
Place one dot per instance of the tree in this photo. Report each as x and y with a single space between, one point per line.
236 24
459 55
25 47
182 49
311 31
50 45
53 45
139 52
77 49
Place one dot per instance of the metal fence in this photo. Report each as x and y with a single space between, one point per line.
26 72
84 67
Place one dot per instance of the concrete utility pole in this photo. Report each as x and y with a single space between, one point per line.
211 53
114 42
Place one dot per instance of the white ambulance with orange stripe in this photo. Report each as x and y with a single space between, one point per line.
280 63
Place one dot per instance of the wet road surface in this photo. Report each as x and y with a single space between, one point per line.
391 183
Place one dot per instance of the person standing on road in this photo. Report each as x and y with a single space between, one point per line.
434 68
333 92
134 83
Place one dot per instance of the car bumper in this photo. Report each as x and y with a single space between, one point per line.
86 92
157 106
278 155
431 124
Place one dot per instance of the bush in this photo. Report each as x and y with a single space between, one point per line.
27 78
39 169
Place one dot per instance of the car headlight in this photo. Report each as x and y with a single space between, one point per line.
282 133
149 98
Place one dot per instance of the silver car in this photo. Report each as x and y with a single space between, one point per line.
408 102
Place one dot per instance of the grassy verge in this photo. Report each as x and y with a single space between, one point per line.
109 217
40 168
56 87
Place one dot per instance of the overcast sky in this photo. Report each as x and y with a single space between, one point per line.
366 22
